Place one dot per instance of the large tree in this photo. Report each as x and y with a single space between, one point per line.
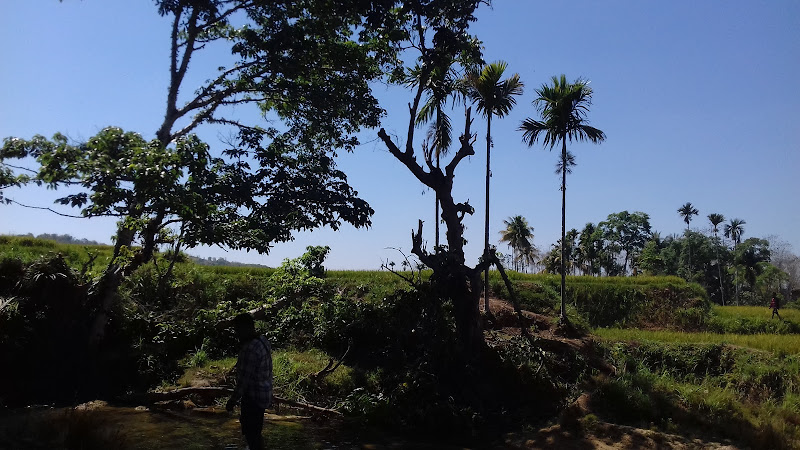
628 233
306 64
563 109
441 38
590 248
493 96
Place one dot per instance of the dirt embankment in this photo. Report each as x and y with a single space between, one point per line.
578 427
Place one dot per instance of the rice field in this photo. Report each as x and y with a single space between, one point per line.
778 343
755 312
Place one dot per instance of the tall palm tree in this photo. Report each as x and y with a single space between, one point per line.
734 230
687 211
493 96
528 257
715 220
443 84
563 107
518 235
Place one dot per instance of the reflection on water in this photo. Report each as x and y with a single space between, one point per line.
130 428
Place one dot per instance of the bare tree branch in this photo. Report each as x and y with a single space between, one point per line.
54 211
466 139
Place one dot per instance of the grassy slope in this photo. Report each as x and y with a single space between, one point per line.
28 249
741 386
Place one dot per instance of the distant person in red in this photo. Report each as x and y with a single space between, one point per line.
253 380
775 304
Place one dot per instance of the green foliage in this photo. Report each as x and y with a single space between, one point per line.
663 302
624 232
292 371
28 250
753 320
780 344
43 310
732 392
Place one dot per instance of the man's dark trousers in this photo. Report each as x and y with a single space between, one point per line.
252 420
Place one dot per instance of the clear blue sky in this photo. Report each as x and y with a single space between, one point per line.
699 100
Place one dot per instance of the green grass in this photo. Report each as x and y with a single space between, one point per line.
291 370
784 344
755 312
700 382
27 250
752 320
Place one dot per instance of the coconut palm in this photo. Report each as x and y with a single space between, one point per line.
734 230
563 107
443 84
518 235
493 96
528 257
715 220
687 211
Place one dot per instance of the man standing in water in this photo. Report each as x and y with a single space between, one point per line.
253 380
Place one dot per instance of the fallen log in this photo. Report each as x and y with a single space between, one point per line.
215 391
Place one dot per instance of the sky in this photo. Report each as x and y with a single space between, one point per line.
699 102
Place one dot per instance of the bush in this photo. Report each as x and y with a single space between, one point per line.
43 330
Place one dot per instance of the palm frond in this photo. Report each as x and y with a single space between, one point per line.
490 93
563 108
568 162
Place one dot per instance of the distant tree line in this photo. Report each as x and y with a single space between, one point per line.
732 269
211 261
62 238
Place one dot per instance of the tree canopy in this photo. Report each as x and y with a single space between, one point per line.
306 65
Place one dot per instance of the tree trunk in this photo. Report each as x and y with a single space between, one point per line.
719 271
105 291
689 247
458 282
436 217
563 314
486 241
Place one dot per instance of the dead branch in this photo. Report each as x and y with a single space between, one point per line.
517 309
466 139
331 366
415 279
218 391
85 267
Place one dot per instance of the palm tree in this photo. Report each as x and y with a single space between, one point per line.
687 211
518 235
734 231
715 220
442 84
493 97
563 107
528 257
